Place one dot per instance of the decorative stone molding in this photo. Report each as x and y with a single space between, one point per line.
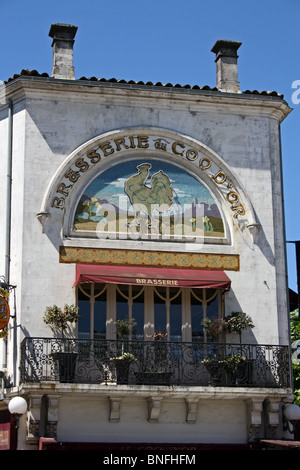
254 419
154 407
91 159
115 409
52 418
273 408
114 257
33 419
42 218
254 230
191 415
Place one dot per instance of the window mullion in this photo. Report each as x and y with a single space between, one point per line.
186 327
204 305
129 302
92 310
167 303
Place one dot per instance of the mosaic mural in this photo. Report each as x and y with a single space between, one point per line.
148 198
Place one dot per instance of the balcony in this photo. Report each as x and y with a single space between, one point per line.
154 363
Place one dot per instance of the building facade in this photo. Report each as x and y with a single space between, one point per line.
152 207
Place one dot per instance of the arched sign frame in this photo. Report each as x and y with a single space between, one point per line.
4 313
103 152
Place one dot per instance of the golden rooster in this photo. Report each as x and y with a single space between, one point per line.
158 196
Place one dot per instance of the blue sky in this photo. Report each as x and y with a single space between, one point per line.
170 41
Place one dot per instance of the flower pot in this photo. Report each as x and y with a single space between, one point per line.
154 378
65 363
217 375
240 374
122 370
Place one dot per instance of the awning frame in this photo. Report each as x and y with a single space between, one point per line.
148 276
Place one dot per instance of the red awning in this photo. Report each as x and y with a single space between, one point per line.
151 276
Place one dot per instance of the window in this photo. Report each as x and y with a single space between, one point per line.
205 303
177 312
93 312
168 312
130 304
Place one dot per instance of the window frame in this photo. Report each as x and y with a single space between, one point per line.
149 308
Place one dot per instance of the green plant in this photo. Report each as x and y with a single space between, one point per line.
59 318
210 360
125 357
237 322
230 361
233 360
295 326
215 327
125 327
295 341
158 336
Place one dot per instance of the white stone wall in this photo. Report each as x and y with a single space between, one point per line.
52 122
216 421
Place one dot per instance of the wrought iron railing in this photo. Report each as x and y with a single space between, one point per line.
154 362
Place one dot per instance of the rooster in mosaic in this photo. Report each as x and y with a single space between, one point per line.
157 196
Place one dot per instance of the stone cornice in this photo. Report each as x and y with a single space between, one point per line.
192 98
144 391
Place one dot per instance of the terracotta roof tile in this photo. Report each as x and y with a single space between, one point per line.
34 73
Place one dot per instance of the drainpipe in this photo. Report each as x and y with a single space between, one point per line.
7 226
8 194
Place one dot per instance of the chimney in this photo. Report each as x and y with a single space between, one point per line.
63 41
227 70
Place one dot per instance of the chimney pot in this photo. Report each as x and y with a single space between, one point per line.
226 62
63 41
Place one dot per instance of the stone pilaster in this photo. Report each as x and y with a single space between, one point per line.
52 417
34 418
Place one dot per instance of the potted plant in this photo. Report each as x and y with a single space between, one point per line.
122 364
157 361
237 322
215 368
233 367
238 366
157 336
214 328
124 329
237 369
59 319
125 357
